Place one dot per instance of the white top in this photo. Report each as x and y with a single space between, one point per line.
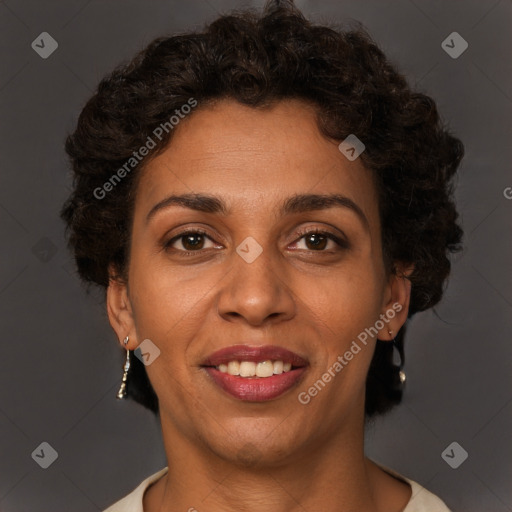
421 499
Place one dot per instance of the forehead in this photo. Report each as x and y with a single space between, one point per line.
254 158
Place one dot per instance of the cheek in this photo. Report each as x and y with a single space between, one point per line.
347 301
169 312
170 305
343 307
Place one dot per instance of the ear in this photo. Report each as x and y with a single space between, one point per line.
119 310
397 297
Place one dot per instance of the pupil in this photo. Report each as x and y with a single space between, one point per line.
318 243
189 240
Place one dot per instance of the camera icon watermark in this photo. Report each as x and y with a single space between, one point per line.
454 45
249 249
147 352
351 147
44 250
44 45
454 455
45 455
507 192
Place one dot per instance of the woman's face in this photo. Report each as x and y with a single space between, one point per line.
253 276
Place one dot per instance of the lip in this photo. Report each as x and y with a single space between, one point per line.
254 354
255 389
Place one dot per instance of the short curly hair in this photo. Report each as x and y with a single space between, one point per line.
257 60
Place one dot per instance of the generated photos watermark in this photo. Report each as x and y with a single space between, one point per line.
144 150
305 397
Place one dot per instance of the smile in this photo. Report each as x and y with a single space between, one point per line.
255 374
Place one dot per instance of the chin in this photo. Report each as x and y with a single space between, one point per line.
252 448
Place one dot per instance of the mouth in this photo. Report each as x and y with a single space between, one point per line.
255 374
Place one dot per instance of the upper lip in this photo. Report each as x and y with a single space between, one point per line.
255 354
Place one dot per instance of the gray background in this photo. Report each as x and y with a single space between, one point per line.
60 364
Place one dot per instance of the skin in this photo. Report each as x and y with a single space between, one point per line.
230 455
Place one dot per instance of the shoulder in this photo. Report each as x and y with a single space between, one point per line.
422 500
133 501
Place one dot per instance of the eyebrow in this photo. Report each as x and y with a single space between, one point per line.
298 203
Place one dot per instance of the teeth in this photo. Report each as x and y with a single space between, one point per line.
247 369
250 369
233 368
265 369
278 367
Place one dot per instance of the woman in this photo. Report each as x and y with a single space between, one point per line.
265 203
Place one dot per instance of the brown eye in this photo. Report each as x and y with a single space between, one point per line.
317 240
190 241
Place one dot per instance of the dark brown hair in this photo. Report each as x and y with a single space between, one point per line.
258 60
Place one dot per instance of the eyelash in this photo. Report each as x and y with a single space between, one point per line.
343 244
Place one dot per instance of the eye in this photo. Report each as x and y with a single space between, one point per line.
318 240
191 241
194 240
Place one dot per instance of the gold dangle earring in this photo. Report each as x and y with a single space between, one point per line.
122 390
401 374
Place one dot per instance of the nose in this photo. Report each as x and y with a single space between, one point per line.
257 293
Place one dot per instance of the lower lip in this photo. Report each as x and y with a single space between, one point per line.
256 389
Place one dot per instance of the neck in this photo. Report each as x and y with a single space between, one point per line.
330 474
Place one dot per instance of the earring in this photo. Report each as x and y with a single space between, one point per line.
401 374
122 390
